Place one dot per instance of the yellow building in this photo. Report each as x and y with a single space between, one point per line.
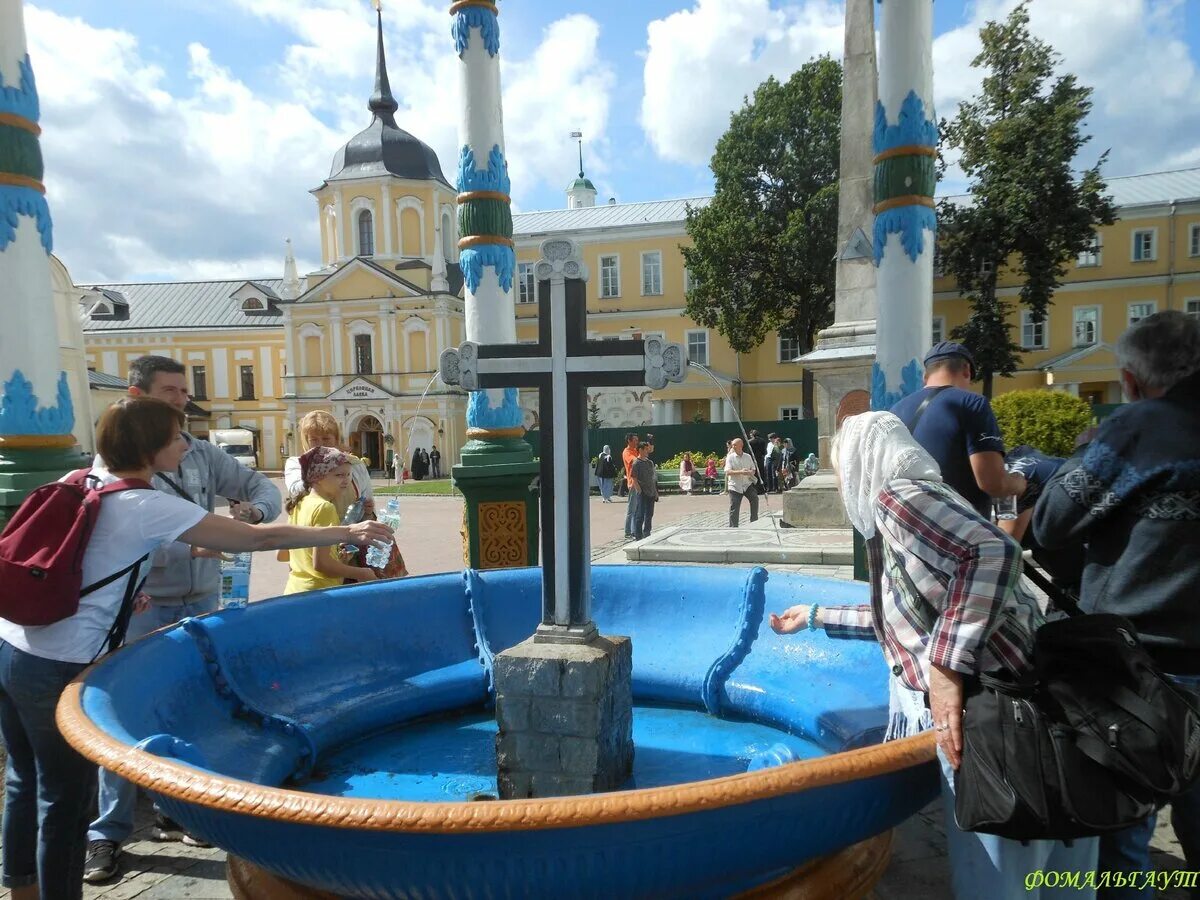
1147 261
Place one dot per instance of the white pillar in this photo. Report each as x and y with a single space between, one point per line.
905 143
37 410
385 340
730 415
386 212
344 224
487 260
335 337
715 412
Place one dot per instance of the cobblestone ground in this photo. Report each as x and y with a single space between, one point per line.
918 869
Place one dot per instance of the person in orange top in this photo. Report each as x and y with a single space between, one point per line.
628 455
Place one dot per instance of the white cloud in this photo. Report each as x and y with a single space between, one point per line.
1146 88
701 62
147 179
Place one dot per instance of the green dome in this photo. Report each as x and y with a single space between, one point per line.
583 183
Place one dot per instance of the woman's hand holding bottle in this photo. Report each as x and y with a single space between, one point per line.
364 533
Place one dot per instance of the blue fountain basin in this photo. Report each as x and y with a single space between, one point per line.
335 737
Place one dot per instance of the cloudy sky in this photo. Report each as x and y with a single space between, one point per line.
181 138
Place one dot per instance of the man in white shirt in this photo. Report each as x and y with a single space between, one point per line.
739 479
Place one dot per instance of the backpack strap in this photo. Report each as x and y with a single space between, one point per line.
1061 598
920 413
120 625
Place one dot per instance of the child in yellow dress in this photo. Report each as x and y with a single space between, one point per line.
326 475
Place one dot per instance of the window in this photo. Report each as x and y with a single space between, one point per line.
1192 307
1139 311
1033 334
1087 325
247 373
526 285
651 273
362 354
200 382
697 347
939 329
789 349
1091 254
688 283
366 234
1143 245
986 267
1194 240
251 303
789 413
610 276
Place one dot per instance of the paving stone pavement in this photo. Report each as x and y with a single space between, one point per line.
918 869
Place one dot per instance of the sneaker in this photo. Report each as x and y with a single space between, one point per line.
101 863
169 830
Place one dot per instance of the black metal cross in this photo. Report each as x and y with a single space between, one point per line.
562 365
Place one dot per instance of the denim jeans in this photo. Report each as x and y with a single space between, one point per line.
643 517
987 867
1129 850
606 485
631 512
48 787
118 797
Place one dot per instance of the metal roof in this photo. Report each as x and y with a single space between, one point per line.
100 381
1141 190
607 215
185 304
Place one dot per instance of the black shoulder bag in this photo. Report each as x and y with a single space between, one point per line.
920 413
1094 741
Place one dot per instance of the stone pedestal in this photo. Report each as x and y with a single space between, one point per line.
565 713
815 503
497 480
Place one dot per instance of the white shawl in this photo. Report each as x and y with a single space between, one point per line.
873 449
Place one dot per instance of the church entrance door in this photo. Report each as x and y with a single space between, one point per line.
367 440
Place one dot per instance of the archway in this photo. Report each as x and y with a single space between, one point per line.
416 433
367 440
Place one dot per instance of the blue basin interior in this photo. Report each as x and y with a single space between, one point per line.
383 692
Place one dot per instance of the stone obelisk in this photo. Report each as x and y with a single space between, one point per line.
36 412
497 465
841 361
905 145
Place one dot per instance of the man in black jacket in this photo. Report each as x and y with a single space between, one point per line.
1133 494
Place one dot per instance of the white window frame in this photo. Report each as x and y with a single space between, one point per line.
1027 322
938 331
1191 306
616 260
687 280
1129 319
1194 239
687 338
779 349
644 255
1133 245
784 414
526 283
1075 325
1092 256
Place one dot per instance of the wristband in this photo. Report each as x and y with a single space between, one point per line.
812 616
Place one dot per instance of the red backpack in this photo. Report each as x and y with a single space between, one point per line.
41 549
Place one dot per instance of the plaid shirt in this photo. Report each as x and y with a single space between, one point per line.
973 613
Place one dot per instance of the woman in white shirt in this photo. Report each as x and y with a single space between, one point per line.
49 788
320 429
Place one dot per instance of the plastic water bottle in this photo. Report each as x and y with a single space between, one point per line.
353 516
380 552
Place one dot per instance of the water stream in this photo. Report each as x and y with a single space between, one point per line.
746 438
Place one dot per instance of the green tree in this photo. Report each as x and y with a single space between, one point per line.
1029 211
762 258
1046 420
593 411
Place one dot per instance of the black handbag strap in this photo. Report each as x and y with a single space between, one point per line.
177 489
1061 598
920 413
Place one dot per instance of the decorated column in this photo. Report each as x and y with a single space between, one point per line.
497 467
36 413
905 144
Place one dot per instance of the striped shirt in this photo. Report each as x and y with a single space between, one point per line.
973 613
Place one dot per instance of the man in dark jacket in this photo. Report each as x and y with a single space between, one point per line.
1133 494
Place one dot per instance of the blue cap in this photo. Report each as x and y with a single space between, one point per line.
947 349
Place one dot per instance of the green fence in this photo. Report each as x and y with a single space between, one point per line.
707 437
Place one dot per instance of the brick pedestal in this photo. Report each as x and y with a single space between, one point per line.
565 713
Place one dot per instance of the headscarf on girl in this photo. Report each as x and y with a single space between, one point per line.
318 462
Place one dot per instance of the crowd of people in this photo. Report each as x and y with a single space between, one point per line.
159 533
948 602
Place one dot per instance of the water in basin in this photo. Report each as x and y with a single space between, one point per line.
454 757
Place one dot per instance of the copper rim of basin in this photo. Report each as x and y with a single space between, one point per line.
182 782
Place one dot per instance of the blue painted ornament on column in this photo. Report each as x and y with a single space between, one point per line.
905 146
